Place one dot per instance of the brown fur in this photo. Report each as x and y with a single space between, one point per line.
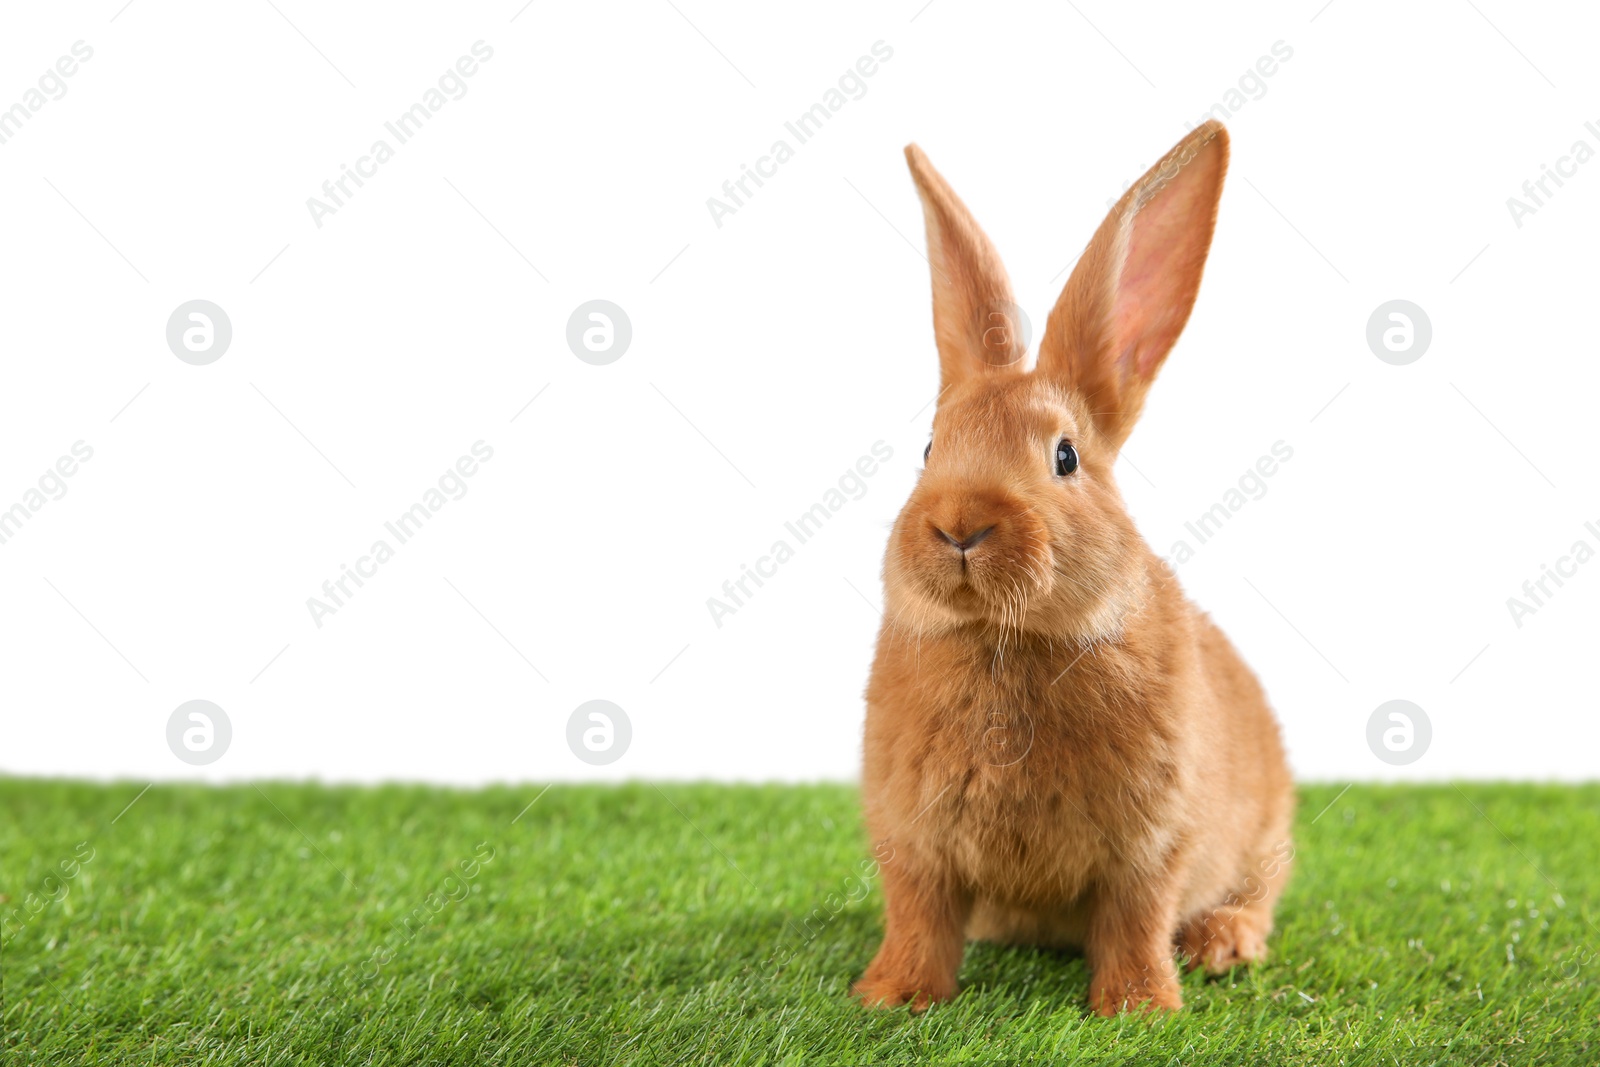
1060 749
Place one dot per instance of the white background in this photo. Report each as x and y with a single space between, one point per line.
767 356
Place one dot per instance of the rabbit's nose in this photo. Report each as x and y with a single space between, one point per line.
965 542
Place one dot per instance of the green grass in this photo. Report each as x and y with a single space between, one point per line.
639 925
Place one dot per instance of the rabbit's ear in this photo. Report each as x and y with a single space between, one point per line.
1132 290
974 320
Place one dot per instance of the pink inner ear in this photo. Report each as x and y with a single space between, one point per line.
1161 273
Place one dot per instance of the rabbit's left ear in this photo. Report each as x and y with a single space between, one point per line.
1132 291
975 322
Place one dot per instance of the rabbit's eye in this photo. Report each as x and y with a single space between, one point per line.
926 452
1066 458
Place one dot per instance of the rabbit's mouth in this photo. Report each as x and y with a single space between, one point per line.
966 599
1025 574
1005 603
998 571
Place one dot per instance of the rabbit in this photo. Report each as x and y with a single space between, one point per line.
1060 749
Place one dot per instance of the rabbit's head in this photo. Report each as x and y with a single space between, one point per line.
1016 520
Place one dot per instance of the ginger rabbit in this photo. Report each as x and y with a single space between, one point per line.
1060 749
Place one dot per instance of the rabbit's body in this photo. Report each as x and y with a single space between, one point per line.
1060 749
1041 774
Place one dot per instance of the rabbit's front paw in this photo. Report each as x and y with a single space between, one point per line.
1116 990
1226 939
876 991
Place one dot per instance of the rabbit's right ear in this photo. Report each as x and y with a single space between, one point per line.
975 322
1132 290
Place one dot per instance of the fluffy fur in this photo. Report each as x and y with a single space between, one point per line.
1060 749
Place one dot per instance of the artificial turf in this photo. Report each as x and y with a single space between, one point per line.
305 924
